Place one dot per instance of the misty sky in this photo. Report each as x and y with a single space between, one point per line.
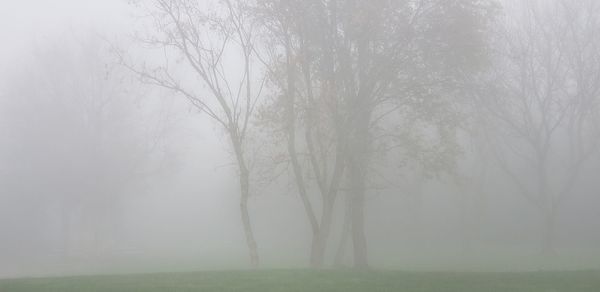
23 23
188 217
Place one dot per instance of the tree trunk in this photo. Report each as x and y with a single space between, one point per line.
250 241
359 240
547 206
319 241
358 161
359 146
245 195
466 221
317 250
318 244
341 250
357 181
65 220
548 248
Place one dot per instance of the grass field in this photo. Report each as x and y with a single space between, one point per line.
305 280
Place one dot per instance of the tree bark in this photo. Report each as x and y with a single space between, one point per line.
319 241
361 108
341 250
357 218
318 244
357 175
66 230
548 248
244 176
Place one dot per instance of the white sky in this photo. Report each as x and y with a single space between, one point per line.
25 22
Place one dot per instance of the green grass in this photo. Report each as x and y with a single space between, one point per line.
327 280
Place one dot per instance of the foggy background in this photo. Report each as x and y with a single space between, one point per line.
101 172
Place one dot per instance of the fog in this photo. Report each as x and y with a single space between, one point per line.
183 135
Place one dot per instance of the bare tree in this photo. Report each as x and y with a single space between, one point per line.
369 61
311 105
98 149
205 43
390 73
545 104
